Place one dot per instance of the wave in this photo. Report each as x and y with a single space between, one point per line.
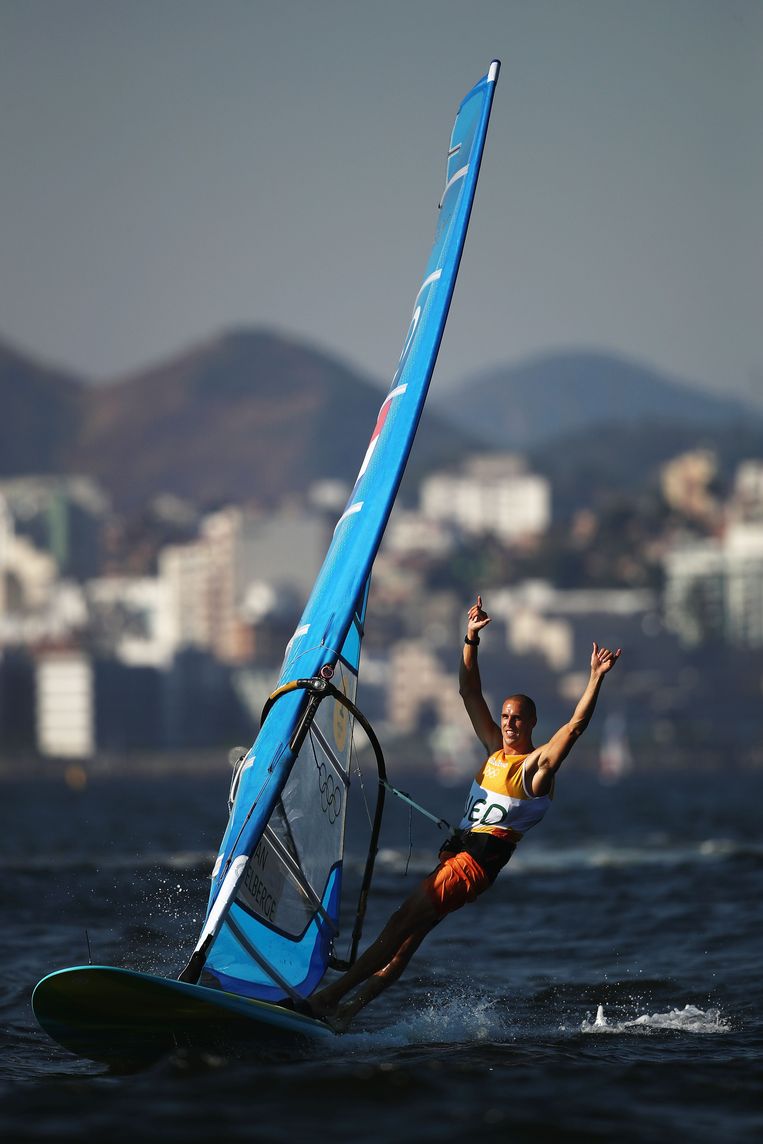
592 856
94 863
690 1019
398 860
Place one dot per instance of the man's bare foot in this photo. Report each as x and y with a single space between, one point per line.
319 1008
337 1017
341 1018
307 1008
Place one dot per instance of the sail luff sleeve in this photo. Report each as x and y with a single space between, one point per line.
361 526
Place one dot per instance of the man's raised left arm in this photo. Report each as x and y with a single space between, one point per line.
543 764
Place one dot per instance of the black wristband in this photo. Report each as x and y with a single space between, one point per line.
472 643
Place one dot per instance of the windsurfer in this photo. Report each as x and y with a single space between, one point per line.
510 793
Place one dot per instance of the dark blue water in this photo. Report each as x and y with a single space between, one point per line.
608 986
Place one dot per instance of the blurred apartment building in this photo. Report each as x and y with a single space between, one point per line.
62 517
221 588
549 634
114 663
557 625
688 483
714 585
492 495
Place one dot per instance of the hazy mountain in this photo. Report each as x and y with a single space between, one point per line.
559 394
249 414
40 414
255 415
590 467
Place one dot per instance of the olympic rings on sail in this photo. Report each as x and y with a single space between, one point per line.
331 793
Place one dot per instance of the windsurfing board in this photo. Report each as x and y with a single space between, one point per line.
123 1018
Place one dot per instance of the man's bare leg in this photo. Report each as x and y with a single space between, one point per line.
380 980
385 959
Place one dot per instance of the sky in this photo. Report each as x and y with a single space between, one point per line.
171 169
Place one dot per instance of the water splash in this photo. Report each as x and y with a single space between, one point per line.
455 1017
690 1019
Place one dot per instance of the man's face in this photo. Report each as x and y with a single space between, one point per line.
516 727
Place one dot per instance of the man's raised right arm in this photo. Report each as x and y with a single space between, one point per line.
470 684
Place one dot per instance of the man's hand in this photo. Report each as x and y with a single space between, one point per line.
478 619
602 660
542 765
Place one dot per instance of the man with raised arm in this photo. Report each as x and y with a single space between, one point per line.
510 793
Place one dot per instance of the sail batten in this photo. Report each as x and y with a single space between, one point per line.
291 797
328 750
295 873
261 961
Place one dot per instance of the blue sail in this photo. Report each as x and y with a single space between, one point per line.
273 909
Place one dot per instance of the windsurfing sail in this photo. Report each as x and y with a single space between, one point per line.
274 905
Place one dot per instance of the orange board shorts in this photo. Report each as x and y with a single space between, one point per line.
457 880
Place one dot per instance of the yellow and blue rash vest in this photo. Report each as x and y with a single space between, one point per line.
500 809
500 801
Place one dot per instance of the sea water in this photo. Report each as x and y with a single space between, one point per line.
608 987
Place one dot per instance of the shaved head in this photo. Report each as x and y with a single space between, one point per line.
526 704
